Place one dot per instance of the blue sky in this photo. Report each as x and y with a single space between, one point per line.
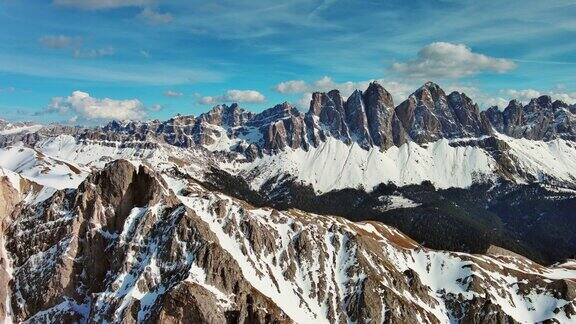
89 61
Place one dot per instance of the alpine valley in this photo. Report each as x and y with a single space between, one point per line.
359 210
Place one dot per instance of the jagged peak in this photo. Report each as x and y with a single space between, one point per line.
493 109
374 86
559 104
334 92
356 92
430 85
457 97
544 101
376 91
514 103
429 88
284 108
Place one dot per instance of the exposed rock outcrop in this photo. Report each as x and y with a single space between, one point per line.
134 245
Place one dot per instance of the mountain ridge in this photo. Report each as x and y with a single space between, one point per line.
132 243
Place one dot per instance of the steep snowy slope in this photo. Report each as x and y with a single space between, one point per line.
7 128
48 171
133 245
334 165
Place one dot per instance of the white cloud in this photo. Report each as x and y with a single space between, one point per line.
249 96
155 17
304 101
60 41
172 93
85 106
100 4
292 86
447 60
399 90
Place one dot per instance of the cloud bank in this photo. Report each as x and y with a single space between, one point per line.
447 60
246 96
87 107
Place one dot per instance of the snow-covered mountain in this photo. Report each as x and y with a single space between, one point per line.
277 216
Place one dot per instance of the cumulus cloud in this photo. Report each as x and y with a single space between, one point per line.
154 17
447 60
399 90
172 93
292 86
87 107
248 96
60 41
100 4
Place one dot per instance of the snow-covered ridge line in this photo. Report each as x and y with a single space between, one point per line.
334 165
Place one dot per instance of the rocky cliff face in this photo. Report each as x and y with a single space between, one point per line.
429 114
137 244
540 119
122 248
368 119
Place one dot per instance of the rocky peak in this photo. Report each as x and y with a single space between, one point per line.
227 116
420 114
544 102
379 107
329 109
357 120
273 114
467 116
430 92
558 104
122 186
495 117
540 119
375 93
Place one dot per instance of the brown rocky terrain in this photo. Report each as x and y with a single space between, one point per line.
132 244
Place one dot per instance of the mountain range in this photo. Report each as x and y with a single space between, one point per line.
357 210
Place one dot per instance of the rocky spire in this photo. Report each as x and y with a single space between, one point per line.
357 120
329 108
380 114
